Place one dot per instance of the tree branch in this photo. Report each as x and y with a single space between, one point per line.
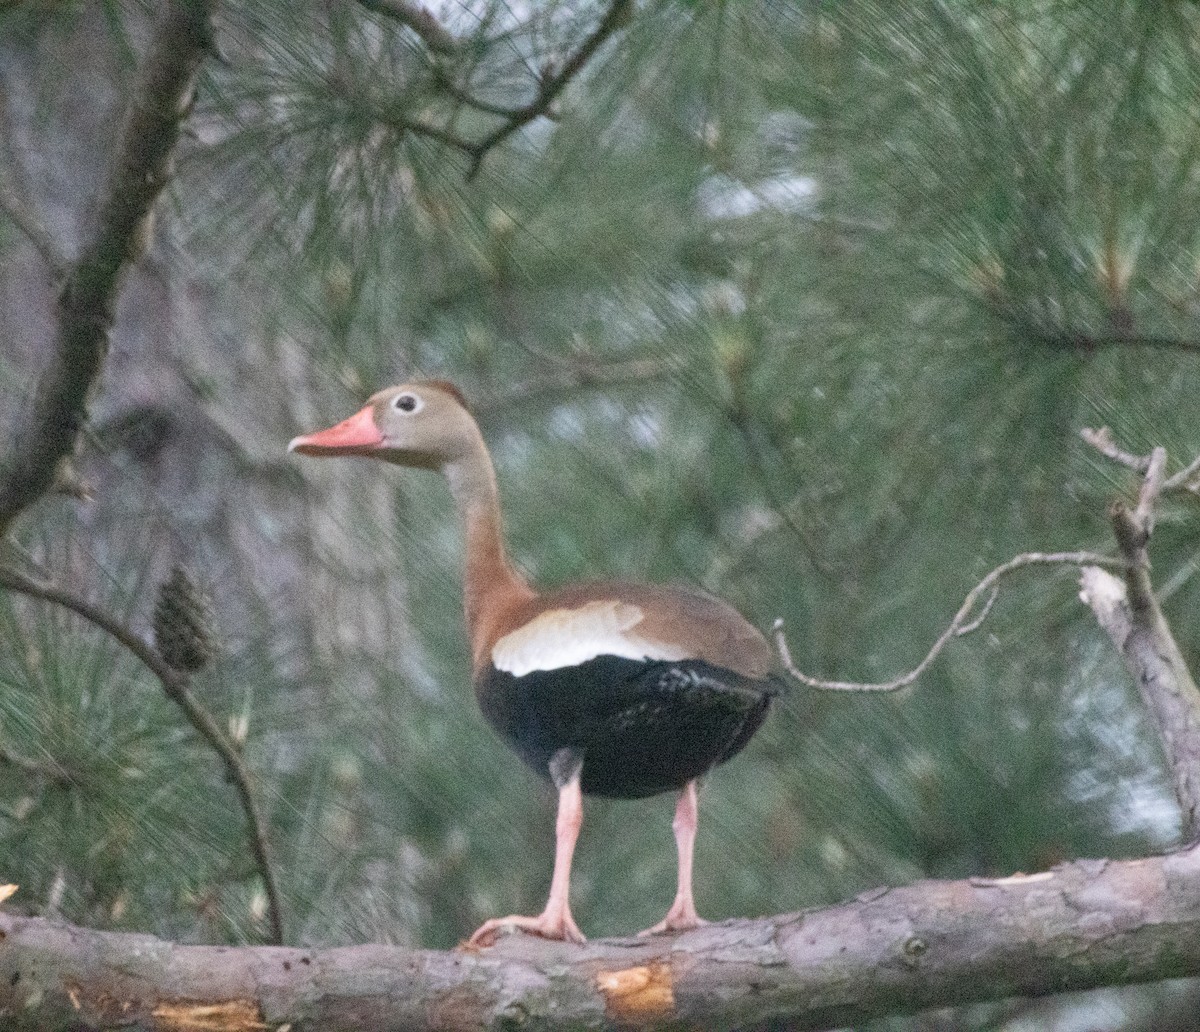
420 19
961 624
891 951
1131 615
175 685
86 302
1159 670
1104 442
456 92
1187 479
421 127
617 15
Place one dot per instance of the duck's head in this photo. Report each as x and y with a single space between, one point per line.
424 424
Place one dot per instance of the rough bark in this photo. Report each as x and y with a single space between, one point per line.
1082 925
120 232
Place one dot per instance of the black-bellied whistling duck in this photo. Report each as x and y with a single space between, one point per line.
607 688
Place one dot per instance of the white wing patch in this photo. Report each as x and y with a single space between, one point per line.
567 637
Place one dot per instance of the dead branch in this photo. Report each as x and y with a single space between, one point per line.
1104 442
891 951
1130 613
1186 479
961 625
175 685
1152 656
1152 486
86 302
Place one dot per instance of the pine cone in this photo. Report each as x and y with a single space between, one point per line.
184 632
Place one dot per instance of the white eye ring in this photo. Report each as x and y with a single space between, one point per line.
407 403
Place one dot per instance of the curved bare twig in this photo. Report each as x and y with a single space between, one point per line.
961 625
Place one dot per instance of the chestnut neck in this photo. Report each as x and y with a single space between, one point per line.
492 589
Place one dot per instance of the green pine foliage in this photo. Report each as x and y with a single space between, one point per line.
804 303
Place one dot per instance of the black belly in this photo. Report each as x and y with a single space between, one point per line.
639 727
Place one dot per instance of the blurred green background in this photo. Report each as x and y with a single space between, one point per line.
802 302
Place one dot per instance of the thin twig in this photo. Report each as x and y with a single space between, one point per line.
421 20
455 92
1178 579
175 685
1187 479
421 127
959 626
551 86
975 624
1102 440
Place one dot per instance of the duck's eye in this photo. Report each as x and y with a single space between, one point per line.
407 402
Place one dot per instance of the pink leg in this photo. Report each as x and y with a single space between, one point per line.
555 922
682 914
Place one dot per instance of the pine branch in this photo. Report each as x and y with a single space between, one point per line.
421 127
175 685
456 92
420 19
961 625
514 118
86 303
617 15
1082 925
